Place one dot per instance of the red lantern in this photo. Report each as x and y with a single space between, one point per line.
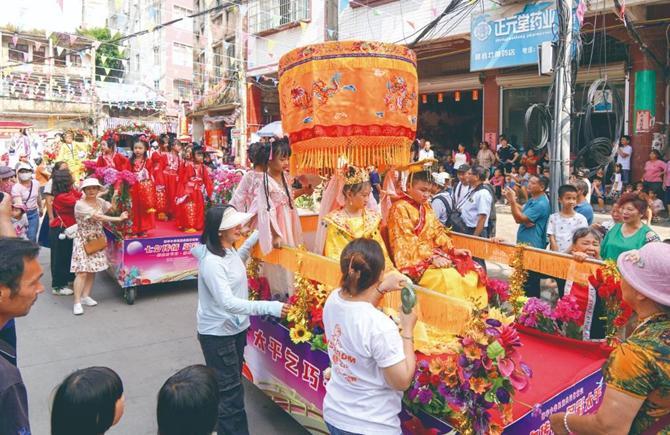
424 98
440 97
475 94
457 96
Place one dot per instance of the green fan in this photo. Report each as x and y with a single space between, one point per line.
408 298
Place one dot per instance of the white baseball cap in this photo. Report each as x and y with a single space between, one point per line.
441 178
232 218
24 167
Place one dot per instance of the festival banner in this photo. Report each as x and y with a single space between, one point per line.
145 261
292 376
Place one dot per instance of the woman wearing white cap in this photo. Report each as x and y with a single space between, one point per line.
27 192
87 258
637 373
224 308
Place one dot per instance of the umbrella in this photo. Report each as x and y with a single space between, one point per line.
272 129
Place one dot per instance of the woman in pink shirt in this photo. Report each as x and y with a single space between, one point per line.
654 169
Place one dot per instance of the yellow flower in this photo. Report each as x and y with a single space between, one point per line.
497 314
479 385
300 334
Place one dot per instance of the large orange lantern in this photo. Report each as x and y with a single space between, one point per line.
349 99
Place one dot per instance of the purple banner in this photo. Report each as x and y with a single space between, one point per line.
292 375
136 262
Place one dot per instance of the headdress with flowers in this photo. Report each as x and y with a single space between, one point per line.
355 175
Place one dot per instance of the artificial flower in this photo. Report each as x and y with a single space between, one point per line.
299 333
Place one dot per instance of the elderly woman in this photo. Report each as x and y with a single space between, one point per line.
637 398
630 234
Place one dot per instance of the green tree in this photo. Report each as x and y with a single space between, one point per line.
107 55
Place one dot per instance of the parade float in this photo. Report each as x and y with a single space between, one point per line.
477 372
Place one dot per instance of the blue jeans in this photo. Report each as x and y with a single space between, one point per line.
625 176
335 431
33 224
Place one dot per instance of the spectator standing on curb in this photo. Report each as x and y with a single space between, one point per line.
507 155
563 224
532 220
624 154
26 191
654 170
20 284
583 206
441 202
476 209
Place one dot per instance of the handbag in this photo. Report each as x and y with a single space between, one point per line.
70 231
95 245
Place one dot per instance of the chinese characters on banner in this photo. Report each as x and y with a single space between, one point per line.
509 36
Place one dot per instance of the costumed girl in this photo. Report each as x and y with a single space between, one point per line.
278 221
110 158
159 162
173 166
142 193
195 182
249 185
357 218
72 153
422 248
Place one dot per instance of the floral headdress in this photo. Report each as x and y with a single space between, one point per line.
355 175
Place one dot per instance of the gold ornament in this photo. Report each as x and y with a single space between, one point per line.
517 281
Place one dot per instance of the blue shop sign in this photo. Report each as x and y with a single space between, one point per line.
509 36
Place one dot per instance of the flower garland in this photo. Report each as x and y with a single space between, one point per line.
484 372
517 280
607 282
305 317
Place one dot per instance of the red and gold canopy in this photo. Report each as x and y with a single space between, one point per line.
351 99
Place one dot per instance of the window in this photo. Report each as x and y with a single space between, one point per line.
218 62
75 59
16 53
157 56
267 15
180 12
182 54
230 52
182 90
137 62
39 55
157 84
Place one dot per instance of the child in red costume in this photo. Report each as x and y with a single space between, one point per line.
143 193
110 158
194 183
159 163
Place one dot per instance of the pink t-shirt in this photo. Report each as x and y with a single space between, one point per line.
653 171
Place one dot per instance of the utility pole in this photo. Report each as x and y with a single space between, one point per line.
559 151
241 61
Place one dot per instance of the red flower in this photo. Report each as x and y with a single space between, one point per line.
435 380
424 378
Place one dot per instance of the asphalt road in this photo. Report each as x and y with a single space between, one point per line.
144 343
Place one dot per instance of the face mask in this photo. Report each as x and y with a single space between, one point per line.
25 177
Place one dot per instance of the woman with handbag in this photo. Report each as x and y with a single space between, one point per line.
88 253
65 196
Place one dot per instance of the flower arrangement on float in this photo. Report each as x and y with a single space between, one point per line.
305 317
226 179
607 283
562 319
483 373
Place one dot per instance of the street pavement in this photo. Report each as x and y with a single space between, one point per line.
145 343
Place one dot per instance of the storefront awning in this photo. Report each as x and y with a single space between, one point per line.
613 72
450 83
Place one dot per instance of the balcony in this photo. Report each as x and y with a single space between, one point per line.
267 16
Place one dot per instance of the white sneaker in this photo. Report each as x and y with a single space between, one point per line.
77 310
63 291
88 301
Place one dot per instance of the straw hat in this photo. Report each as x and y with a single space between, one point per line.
649 275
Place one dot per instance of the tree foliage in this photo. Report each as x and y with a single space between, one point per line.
107 55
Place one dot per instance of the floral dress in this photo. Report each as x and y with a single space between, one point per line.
87 229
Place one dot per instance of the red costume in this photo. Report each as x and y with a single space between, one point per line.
159 163
116 161
143 196
194 178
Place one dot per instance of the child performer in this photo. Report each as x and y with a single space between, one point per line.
143 193
194 183
278 221
110 158
173 166
249 185
159 165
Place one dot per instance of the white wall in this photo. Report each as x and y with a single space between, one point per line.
47 15
260 62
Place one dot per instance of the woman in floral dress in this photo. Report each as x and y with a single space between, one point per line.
90 213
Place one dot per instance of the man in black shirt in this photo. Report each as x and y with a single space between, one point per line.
20 283
507 155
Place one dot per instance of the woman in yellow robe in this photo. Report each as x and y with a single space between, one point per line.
423 250
354 220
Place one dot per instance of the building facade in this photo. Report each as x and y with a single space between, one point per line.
161 59
46 82
461 105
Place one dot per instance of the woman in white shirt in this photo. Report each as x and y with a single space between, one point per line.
224 309
372 362
461 157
